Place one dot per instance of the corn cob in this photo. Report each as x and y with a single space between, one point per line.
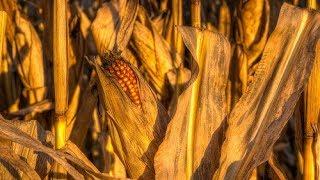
121 71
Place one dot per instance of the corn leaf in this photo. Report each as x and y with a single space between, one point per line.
170 160
262 112
34 144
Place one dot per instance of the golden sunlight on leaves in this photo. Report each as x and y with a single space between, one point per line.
159 89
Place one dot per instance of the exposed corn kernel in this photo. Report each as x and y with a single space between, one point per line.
126 78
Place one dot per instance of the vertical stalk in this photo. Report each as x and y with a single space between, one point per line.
311 113
196 13
3 24
196 22
60 67
177 13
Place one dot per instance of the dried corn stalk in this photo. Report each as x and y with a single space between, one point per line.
137 133
153 52
255 122
31 66
113 25
313 111
210 111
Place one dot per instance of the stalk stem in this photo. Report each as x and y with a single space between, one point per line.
60 69
311 104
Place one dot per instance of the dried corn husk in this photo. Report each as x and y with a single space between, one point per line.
137 133
255 122
113 25
153 52
251 36
30 64
170 160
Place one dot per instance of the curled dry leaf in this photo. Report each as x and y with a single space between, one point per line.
210 111
34 144
113 24
30 62
15 161
137 133
152 50
262 112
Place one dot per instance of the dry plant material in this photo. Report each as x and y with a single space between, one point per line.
139 130
78 126
251 35
265 108
311 114
31 142
31 66
224 20
153 52
10 86
210 111
312 103
113 25
60 70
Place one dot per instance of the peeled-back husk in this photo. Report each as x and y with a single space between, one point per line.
136 131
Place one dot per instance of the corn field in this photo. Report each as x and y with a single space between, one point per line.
160 89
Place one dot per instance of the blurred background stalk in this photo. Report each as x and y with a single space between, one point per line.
3 24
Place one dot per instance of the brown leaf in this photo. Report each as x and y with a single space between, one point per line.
33 149
210 111
256 121
13 159
113 24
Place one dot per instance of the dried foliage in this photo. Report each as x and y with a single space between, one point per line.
93 89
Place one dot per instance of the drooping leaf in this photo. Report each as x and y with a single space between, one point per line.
262 112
